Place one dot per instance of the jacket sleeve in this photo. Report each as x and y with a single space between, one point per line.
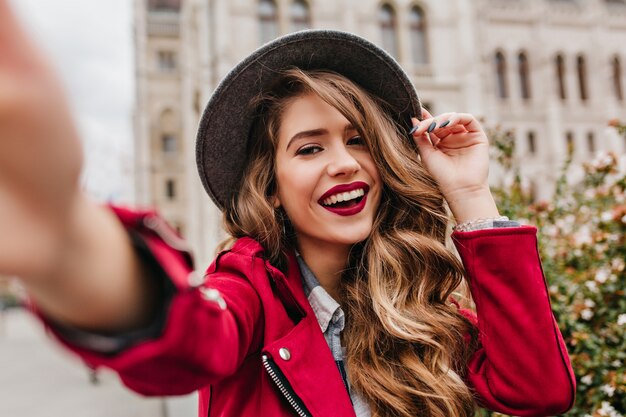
205 334
521 366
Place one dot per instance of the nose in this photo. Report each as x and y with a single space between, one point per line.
342 162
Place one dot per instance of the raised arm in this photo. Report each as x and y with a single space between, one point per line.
522 367
73 256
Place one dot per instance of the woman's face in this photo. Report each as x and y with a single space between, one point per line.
327 181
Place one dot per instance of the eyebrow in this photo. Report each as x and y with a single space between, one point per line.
314 132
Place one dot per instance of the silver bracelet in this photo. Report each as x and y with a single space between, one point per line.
476 223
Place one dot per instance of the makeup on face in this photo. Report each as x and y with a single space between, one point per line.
345 199
327 181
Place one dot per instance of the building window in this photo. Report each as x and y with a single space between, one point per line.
417 25
388 28
617 79
560 76
167 61
581 68
532 143
591 142
173 5
268 20
300 15
500 62
524 75
170 189
169 144
569 141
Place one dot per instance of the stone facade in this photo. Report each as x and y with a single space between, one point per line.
496 59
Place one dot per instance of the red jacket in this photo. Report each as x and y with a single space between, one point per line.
257 330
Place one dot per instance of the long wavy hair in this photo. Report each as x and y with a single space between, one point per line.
407 345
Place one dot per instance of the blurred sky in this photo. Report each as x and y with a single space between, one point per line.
90 43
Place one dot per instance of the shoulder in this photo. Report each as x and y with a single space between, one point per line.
244 259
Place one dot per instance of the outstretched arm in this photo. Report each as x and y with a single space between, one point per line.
73 256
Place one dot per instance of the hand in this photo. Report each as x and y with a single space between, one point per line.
40 156
456 153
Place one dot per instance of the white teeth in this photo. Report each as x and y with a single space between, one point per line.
339 197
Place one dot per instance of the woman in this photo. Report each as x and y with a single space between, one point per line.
335 297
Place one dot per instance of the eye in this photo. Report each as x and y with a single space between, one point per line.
356 140
309 150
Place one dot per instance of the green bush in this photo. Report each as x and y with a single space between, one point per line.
583 249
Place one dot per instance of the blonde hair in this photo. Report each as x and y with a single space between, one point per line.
407 346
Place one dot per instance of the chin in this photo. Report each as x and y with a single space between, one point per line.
353 238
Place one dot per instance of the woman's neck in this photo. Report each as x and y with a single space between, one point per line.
327 262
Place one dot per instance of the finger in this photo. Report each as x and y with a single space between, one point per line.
430 124
468 121
423 142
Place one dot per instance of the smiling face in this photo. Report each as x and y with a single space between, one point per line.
326 179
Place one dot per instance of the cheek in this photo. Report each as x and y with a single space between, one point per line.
295 187
368 163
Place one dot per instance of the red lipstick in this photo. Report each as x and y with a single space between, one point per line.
342 188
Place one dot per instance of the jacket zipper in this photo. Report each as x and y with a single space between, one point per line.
283 385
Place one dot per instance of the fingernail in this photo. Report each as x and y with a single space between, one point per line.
444 124
413 129
432 127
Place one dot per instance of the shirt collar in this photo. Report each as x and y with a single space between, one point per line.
324 306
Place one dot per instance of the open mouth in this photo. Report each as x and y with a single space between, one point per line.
346 203
344 200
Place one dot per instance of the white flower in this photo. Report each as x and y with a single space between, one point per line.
621 319
606 217
587 379
592 286
616 363
618 264
590 303
607 389
583 236
602 275
608 410
586 314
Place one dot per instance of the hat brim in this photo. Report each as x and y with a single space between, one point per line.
222 140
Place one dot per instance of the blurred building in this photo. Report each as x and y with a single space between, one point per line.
553 70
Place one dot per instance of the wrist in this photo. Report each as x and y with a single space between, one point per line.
474 204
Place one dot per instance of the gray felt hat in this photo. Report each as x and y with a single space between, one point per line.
222 141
